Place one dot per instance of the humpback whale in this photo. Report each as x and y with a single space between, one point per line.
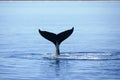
56 39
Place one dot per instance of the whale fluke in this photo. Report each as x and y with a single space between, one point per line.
56 38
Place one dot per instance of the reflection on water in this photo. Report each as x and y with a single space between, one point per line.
92 52
30 67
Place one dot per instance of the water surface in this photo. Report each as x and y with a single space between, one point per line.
92 52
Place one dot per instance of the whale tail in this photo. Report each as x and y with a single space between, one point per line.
56 38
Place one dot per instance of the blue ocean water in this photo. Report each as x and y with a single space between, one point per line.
92 52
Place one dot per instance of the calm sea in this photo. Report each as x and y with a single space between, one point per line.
92 52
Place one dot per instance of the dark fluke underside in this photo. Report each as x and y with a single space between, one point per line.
56 38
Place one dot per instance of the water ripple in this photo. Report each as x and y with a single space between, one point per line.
70 56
